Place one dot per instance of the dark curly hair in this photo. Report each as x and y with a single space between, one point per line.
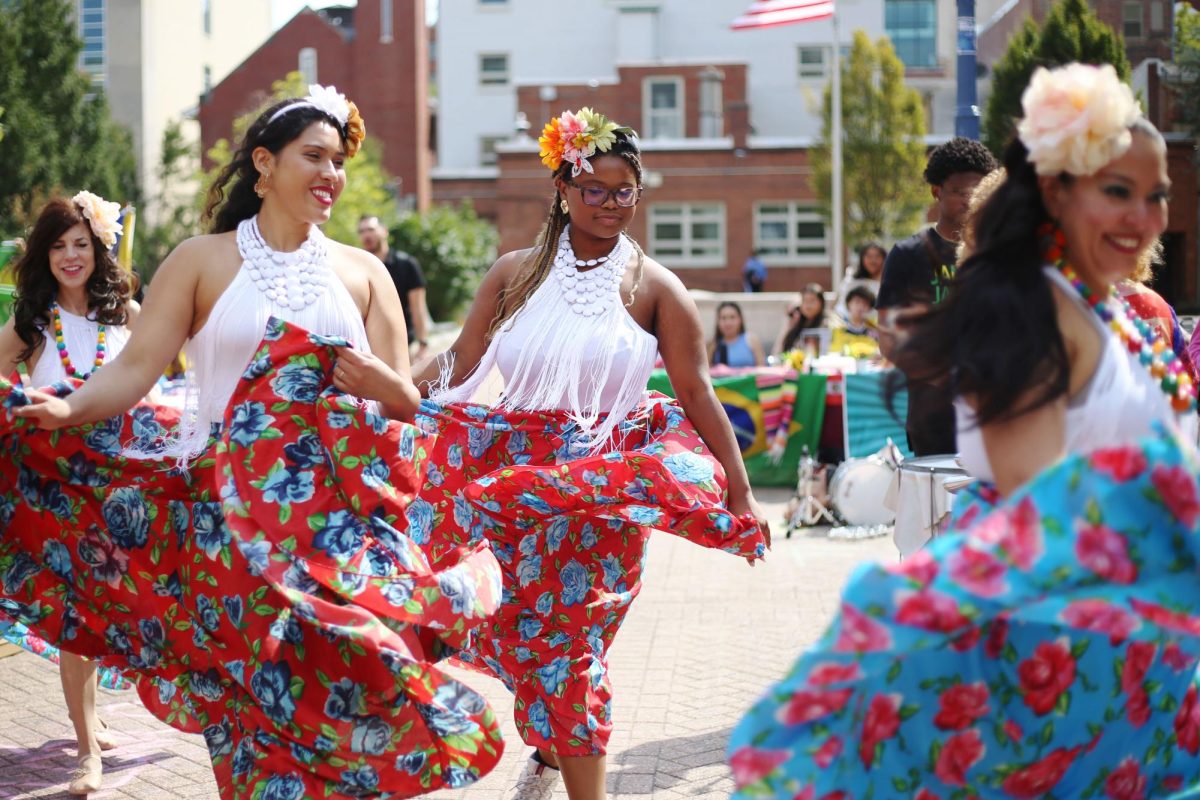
108 288
226 208
958 155
535 269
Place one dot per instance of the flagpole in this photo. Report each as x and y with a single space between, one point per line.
836 134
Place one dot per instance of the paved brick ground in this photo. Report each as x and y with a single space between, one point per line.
707 635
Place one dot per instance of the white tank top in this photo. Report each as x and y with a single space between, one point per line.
79 335
1119 405
220 351
572 347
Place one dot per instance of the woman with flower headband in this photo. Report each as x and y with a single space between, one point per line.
255 579
71 298
568 472
1050 649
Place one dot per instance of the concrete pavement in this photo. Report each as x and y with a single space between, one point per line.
707 636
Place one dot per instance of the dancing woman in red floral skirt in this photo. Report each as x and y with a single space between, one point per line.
571 469
256 579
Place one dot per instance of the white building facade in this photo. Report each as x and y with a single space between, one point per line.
155 58
487 48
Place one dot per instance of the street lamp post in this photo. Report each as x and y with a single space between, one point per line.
966 118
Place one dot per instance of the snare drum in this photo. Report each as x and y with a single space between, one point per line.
923 499
857 489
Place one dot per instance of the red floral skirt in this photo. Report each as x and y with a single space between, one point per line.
569 530
267 596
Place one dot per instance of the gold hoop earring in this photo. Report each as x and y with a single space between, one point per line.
260 186
562 203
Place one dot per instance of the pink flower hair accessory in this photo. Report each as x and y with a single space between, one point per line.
1076 118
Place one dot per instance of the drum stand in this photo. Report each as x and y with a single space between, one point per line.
807 509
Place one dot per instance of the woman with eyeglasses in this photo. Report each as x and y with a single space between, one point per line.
575 463
807 310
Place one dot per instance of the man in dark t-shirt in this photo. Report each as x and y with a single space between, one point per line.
406 274
918 272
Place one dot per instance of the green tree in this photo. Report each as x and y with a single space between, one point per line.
1185 79
883 150
369 188
177 209
1070 32
59 135
455 248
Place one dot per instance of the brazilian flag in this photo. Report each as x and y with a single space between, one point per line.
739 396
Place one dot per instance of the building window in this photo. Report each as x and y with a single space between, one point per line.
662 108
493 69
912 27
487 150
811 62
206 13
688 234
791 233
1156 16
386 22
207 79
92 59
493 3
712 104
307 64
1131 20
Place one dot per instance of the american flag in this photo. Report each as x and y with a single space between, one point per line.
769 13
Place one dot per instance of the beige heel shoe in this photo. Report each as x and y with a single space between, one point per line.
105 737
86 778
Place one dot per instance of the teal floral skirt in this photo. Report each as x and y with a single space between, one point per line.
1049 650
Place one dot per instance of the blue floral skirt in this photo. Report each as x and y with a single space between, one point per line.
1049 651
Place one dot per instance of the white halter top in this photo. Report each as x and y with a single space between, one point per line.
572 347
220 351
1119 405
79 334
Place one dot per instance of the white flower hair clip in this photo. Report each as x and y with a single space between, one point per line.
325 98
104 216
1076 119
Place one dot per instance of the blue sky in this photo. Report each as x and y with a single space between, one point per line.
283 10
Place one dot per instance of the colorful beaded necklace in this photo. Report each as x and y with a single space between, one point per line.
61 344
1141 339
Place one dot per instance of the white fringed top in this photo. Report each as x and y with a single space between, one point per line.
572 347
220 351
79 334
1119 405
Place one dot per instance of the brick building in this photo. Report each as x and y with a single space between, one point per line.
375 53
726 119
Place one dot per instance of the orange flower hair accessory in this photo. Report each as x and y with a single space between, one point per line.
356 130
576 137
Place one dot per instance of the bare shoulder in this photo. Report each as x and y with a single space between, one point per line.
658 281
132 309
509 264
356 258
200 253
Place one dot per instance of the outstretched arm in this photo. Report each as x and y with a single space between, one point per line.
681 344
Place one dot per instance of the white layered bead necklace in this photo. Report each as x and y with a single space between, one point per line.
589 293
290 280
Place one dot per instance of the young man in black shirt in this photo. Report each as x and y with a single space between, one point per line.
917 273
406 274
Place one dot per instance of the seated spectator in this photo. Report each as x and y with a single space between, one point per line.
870 266
859 336
732 344
807 310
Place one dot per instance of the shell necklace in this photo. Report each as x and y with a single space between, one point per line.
590 293
289 280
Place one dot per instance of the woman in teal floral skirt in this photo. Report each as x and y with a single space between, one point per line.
1049 647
